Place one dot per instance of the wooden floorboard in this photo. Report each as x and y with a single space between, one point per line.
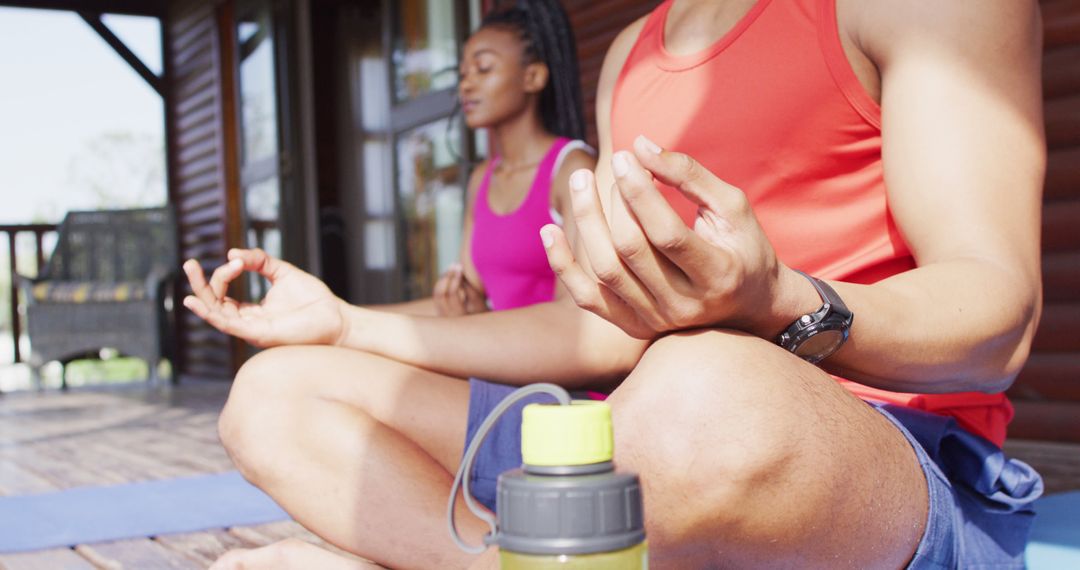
203 547
136 553
54 440
53 559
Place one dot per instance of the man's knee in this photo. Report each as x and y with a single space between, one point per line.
704 442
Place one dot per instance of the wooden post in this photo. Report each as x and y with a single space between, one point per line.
16 329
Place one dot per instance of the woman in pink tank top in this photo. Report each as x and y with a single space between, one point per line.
519 81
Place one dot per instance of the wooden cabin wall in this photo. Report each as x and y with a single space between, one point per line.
200 107
596 23
1047 393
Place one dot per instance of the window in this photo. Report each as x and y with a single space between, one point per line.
260 185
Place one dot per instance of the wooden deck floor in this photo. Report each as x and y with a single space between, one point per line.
58 440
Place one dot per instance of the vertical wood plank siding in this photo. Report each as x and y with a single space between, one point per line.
1047 393
596 23
198 162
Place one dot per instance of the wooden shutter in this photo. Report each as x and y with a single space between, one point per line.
1047 393
202 164
596 23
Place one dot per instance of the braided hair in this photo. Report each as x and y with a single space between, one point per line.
546 37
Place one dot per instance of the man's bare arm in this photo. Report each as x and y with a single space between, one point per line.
964 157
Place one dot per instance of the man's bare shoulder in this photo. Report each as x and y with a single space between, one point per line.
886 29
619 51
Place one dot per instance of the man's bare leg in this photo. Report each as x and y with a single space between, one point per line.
751 457
357 448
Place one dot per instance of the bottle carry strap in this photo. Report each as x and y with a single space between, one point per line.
464 472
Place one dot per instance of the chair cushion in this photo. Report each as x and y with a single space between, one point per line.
88 292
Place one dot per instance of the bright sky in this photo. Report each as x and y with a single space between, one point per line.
61 86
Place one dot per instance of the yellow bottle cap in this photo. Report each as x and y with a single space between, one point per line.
578 434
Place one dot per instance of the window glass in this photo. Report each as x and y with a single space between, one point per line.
258 102
425 47
431 199
259 154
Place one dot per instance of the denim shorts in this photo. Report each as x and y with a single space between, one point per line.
980 501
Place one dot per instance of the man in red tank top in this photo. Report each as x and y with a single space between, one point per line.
769 151
877 158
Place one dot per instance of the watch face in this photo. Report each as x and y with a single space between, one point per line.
820 345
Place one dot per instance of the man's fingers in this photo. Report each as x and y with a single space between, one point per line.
595 236
582 287
648 235
586 292
681 171
693 250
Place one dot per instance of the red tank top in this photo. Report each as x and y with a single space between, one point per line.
774 108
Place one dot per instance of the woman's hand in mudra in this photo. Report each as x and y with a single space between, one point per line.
297 309
454 295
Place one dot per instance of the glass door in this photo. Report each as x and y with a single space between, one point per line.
429 141
260 154
406 155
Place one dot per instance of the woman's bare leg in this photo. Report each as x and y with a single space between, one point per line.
357 448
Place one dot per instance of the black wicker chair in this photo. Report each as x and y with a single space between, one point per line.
108 284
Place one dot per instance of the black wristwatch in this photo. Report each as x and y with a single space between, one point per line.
815 336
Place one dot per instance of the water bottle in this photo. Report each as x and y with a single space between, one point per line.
566 507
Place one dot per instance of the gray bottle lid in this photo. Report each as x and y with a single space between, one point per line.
570 514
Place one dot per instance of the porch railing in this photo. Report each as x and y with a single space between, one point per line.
12 231
259 230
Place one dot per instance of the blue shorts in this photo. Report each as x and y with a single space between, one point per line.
980 501
502 448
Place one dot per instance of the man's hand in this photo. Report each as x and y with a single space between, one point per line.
297 309
455 296
653 274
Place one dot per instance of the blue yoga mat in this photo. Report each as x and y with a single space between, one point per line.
93 514
1055 534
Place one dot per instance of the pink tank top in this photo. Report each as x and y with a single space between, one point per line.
774 108
506 248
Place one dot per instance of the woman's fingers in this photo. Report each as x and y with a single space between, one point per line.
222 276
199 287
260 262
196 305
447 294
457 294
